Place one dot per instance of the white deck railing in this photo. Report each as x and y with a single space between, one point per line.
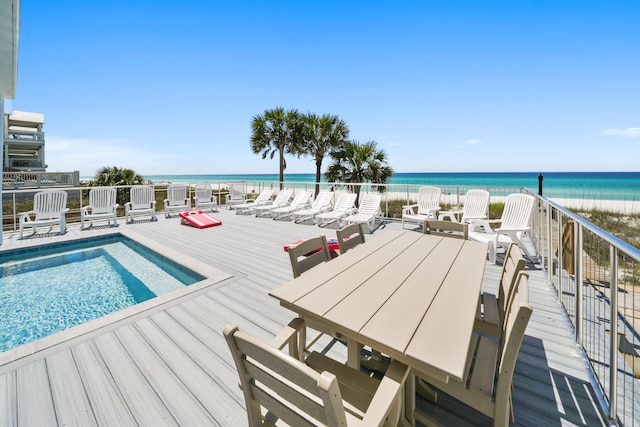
570 249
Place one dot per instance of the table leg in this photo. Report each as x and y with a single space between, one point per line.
409 400
353 354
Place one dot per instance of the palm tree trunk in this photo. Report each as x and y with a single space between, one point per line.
281 168
318 176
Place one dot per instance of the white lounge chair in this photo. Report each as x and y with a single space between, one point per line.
279 388
236 195
427 207
49 208
322 203
141 202
282 199
263 198
476 206
102 205
204 198
368 212
513 224
177 200
342 208
300 201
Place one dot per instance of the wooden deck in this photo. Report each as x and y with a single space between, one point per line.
168 364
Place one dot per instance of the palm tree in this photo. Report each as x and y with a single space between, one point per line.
112 176
359 163
323 134
278 131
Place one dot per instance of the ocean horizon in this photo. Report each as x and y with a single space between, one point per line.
573 185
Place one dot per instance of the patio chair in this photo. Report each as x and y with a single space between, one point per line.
427 207
322 203
342 208
308 254
49 208
513 224
141 202
236 195
300 201
204 198
177 200
350 236
247 207
278 388
492 308
488 384
282 199
102 205
456 230
476 206
368 212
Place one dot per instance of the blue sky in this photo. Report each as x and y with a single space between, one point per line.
166 87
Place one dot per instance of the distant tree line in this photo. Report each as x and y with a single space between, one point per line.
279 132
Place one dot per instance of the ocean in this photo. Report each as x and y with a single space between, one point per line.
573 185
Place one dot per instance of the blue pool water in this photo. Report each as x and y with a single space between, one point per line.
52 288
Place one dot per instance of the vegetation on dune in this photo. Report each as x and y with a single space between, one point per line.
114 176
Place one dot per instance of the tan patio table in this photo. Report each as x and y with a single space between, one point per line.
410 296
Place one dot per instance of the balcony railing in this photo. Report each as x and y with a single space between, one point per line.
595 275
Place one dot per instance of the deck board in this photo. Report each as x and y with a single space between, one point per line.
170 365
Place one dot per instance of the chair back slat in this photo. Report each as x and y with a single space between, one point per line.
476 204
176 194
350 236
370 204
308 254
345 202
102 200
324 199
451 229
517 211
302 197
282 197
141 196
204 191
286 387
428 199
513 264
49 204
518 319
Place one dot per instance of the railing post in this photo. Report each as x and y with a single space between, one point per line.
549 236
613 345
578 280
560 258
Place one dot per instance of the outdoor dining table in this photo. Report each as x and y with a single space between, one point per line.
410 295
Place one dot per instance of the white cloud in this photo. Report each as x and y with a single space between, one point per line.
472 141
628 132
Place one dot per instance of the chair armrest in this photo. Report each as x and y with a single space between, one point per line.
408 209
453 215
484 223
292 335
389 390
26 215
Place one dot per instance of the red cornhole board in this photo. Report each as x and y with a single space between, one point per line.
199 219
331 243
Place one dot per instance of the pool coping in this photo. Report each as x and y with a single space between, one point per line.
211 274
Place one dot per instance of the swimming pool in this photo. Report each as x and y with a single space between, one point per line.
51 288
